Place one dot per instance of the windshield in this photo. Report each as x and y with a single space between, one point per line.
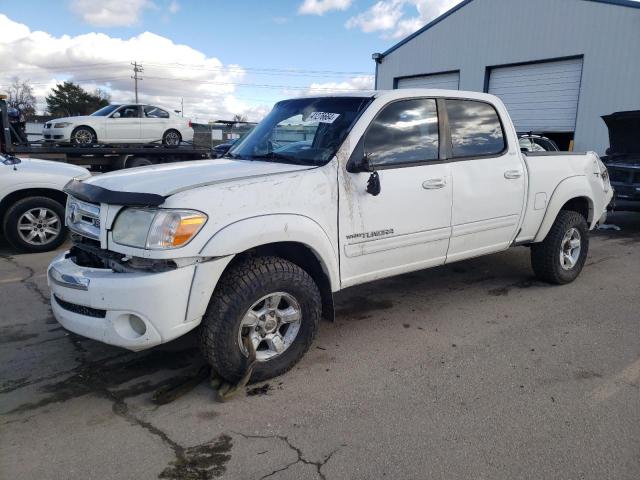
104 111
307 131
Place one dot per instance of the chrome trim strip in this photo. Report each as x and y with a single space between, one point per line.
68 281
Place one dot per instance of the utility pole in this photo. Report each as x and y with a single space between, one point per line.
137 68
182 107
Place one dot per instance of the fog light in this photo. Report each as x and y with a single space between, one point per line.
137 325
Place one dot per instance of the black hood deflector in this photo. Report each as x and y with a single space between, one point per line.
94 194
624 132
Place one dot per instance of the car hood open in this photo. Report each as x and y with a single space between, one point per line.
168 179
624 131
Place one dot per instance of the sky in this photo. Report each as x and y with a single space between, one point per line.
221 57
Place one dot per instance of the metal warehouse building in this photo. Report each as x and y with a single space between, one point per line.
558 65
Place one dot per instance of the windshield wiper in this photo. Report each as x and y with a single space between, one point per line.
281 158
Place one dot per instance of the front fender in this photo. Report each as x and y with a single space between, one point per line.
568 189
265 229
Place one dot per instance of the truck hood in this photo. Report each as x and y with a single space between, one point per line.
624 129
171 178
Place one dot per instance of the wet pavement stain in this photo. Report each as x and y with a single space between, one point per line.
15 333
257 391
92 377
522 284
359 306
202 462
586 375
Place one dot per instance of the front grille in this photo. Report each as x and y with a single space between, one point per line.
83 218
80 309
47 136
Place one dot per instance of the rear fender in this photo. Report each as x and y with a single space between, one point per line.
568 189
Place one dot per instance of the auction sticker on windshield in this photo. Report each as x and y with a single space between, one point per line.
323 117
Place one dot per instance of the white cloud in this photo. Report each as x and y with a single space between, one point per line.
362 82
398 18
320 7
171 71
111 13
174 7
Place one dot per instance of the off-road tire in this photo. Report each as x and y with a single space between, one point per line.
236 292
13 214
545 255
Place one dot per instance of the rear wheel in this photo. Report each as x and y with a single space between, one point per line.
83 136
35 224
171 137
560 257
271 301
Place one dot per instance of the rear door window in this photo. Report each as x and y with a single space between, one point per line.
475 127
155 112
404 132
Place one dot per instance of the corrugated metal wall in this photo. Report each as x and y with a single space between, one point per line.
515 31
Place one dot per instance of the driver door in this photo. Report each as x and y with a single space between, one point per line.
124 124
406 226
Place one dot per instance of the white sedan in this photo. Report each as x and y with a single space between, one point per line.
121 123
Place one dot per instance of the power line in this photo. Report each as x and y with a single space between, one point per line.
198 67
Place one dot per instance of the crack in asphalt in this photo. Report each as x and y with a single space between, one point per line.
203 461
27 281
298 452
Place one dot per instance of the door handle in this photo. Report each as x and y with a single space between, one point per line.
512 174
434 183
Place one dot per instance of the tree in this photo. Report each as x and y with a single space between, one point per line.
68 99
21 97
239 118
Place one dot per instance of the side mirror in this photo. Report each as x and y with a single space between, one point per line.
116 115
362 164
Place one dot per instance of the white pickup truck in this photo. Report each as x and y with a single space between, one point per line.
325 193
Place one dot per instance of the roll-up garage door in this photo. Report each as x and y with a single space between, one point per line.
448 81
540 97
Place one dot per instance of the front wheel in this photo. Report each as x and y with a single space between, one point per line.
35 224
272 302
83 136
560 257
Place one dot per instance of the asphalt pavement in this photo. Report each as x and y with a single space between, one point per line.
471 370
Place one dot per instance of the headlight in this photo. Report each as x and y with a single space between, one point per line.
157 229
62 125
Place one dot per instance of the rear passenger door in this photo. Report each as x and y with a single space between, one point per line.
488 180
155 122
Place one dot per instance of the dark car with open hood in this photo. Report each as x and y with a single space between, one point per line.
623 158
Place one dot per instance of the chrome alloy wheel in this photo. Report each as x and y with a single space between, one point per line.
39 226
83 137
570 249
272 323
172 138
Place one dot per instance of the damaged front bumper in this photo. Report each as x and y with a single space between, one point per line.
131 307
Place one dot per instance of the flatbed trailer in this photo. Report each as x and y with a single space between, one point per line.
102 157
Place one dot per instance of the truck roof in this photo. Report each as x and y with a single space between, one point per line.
410 92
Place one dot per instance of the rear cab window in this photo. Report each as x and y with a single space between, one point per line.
476 130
